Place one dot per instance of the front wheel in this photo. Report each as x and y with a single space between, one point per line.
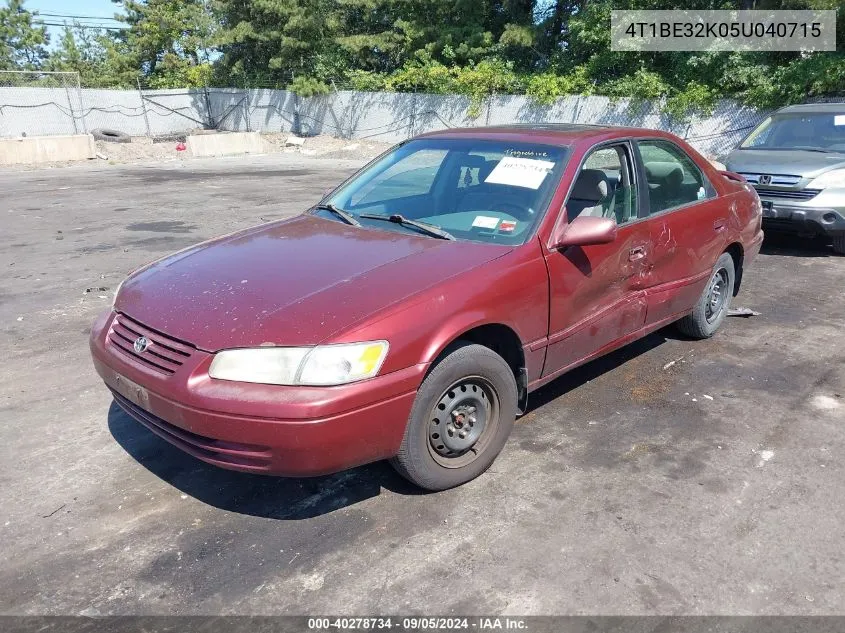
712 307
462 416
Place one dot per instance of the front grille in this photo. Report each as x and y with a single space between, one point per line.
785 180
223 453
787 194
163 353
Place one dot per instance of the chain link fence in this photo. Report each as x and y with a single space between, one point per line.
40 103
36 103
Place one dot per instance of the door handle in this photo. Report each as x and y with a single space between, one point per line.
719 225
636 253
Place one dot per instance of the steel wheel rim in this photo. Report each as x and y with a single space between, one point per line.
462 422
717 295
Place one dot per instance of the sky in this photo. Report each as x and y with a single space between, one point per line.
98 12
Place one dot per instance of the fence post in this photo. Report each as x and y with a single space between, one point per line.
81 104
210 117
489 105
413 118
144 108
70 104
247 107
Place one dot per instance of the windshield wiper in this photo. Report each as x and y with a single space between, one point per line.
810 148
343 215
799 148
396 218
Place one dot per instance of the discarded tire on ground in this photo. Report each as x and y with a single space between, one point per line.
110 136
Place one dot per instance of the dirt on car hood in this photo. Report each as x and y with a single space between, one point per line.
294 282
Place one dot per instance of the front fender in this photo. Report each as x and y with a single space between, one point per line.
511 291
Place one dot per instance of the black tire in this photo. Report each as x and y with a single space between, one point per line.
110 136
707 316
422 459
839 244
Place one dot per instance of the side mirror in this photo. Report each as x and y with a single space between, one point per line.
732 175
583 231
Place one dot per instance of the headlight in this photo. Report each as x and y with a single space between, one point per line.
271 365
323 365
834 178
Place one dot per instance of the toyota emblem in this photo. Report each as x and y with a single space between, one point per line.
141 344
765 179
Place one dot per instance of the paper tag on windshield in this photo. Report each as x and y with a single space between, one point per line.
485 222
520 172
839 119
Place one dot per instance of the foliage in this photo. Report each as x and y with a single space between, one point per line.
544 88
422 74
811 76
366 81
545 49
100 61
477 81
484 79
308 87
169 41
23 41
694 98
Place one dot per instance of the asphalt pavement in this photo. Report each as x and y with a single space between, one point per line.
671 477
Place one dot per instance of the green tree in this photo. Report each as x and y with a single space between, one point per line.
275 40
101 60
168 41
266 41
79 50
23 41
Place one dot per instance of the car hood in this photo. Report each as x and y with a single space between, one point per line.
793 162
294 282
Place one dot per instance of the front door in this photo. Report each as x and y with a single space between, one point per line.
597 291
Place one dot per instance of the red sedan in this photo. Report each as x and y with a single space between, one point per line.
410 314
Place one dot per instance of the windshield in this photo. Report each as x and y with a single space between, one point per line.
476 190
810 131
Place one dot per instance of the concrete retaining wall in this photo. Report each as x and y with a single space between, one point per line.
46 149
225 144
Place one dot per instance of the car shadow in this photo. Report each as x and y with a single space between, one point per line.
304 498
256 495
578 377
777 243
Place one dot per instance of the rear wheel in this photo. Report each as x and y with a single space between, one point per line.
462 416
712 307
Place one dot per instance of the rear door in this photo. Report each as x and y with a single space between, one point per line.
688 225
597 291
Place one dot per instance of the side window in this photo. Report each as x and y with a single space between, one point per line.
474 167
673 177
412 176
605 186
468 177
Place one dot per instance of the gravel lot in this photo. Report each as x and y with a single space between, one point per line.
672 477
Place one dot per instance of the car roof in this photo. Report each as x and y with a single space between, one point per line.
814 108
547 133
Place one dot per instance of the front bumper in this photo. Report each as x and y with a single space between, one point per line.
802 218
290 431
